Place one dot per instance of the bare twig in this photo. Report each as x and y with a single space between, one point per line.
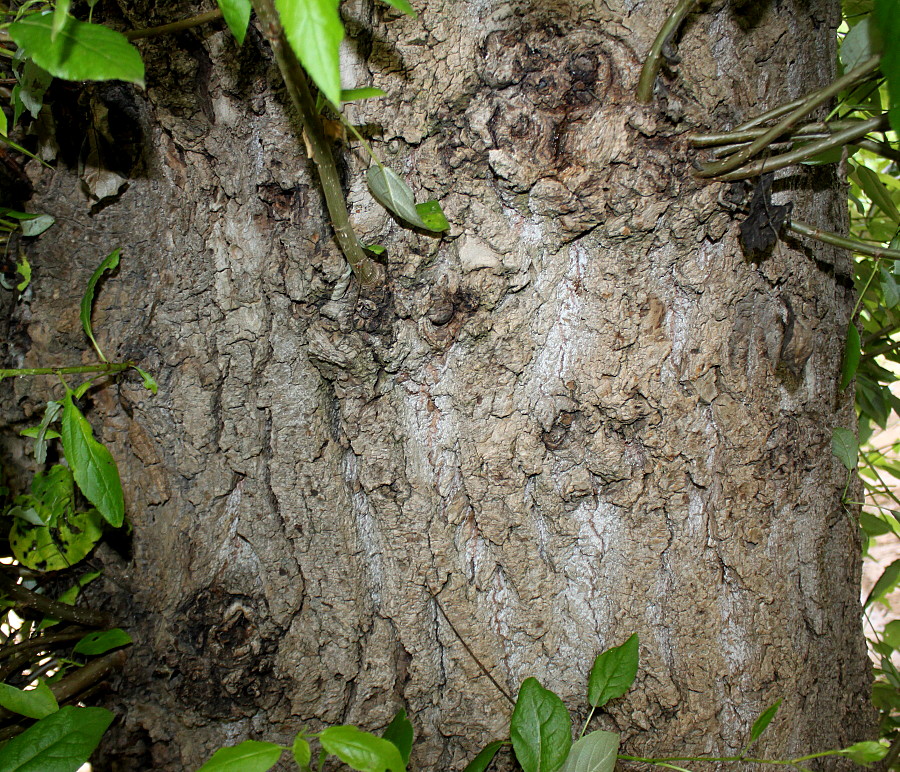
654 59
175 26
52 608
837 240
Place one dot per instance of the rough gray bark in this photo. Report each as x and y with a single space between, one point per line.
579 415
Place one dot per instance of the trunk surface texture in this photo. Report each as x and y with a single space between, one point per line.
579 414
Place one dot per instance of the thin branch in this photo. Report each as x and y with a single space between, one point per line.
472 653
813 101
365 268
803 153
107 368
175 26
817 129
52 608
842 241
654 59
879 148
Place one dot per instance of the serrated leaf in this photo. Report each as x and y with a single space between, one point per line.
852 351
403 6
874 188
355 94
885 584
81 51
433 216
843 445
102 641
87 302
34 703
237 16
249 756
147 379
765 718
595 752
92 464
540 728
61 742
361 750
315 30
484 758
389 190
613 672
301 751
400 733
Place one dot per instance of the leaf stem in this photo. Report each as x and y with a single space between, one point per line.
175 26
842 241
654 59
809 104
365 268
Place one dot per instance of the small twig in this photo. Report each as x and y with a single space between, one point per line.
175 26
44 642
366 270
813 101
842 241
470 652
818 129
879 148
803 153
106 368
654 59
53 608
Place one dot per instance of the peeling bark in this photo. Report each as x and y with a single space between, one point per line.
578 415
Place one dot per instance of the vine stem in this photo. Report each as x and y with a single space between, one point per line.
809 104
107 368
805 152
175 26
365 268
654 59
836 240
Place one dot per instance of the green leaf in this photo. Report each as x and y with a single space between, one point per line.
29 92
355 94
852 350
61 742
433 216
843 445
315 30
762 723
394 194
361 750
613 672
102 641
483 760
81 51
874 188
540 728
249 756
860 43
891 634
402 5
885 584
149 383
87 302
300 750
889 288
400 732
872 525
237 16
4 126
46 548
92 464
34 703
60 17
23 268
44 432
866 752
595 752
35 226
887 17
55 490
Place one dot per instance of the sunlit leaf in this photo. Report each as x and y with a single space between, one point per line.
433 216
249 756
102 641
613 672
34 703
540 728
355 94
237 16
315 30
852 352
60 17
301 751
765 718
361 750
402 5
81 51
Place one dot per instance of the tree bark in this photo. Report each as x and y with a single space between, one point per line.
579 414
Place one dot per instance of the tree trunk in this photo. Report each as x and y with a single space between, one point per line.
578 415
